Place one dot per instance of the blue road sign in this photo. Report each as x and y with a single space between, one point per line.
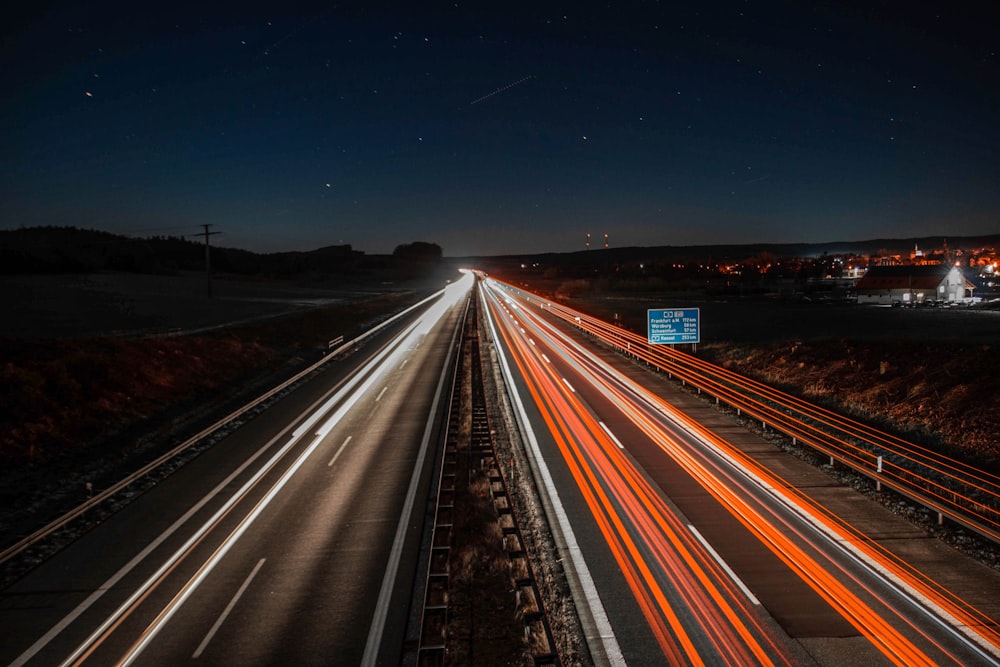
668 326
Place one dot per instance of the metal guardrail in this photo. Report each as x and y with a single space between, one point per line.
969 499
112 490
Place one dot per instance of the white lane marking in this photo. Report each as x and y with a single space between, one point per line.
342 393
392 568
531 340
393 348
569 385
611 435
141 556
546 358
192 585
404 362
229 607
932 611
724 565
339 450
380 394
597 628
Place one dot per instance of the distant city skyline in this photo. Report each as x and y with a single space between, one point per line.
502 129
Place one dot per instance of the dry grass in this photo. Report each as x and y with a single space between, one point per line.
62 396
934 391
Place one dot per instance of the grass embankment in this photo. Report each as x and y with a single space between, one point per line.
62 398
935 391
57 396
922 382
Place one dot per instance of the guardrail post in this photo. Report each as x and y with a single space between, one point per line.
878 469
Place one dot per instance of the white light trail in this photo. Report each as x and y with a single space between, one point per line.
350 393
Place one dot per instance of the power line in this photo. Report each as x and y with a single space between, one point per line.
208 256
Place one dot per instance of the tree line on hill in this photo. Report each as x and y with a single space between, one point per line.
47 250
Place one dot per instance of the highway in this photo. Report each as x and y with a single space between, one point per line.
296 538
684 550
293 540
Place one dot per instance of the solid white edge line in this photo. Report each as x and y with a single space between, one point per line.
599 629
141 556
339 450
344 393
724 565
225 612
385 594
110 583
944 619
611 435
920 602
192 585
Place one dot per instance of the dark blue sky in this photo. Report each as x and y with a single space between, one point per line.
503 127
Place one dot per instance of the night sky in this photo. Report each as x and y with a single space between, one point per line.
502 127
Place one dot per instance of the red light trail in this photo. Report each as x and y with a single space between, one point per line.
692 602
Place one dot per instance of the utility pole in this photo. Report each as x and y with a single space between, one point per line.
208 257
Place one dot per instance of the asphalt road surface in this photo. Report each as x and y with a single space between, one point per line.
292 541
683 551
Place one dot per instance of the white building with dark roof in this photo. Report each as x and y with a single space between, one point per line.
907 285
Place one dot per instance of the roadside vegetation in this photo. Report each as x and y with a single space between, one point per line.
931 375
939 395
70 396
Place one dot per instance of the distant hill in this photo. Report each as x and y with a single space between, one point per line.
38 250
658 260
71 250
737 252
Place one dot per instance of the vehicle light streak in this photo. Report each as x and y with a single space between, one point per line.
347 396
616 494
229 608
592 603
948 485
957 613
595 466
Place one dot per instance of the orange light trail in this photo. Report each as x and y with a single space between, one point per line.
595 459
952 487
618 494
978 625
